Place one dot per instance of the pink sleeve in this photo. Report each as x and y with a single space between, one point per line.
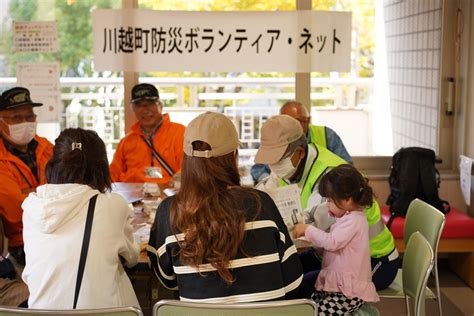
336 239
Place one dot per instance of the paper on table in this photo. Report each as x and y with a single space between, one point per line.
142 235
465 167
288 201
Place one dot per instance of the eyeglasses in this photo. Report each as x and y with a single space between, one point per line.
17 119
144 104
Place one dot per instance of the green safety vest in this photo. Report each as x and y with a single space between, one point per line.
317 135
325 160
381 240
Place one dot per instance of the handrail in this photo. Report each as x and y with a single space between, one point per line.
224 81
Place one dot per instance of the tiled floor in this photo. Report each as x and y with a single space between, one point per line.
456 297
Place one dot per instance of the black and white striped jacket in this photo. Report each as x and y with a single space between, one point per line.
270 270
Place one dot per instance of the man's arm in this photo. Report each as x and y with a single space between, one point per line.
259 172
335 145
117 167
11 198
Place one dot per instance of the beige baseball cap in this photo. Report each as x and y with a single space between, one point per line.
277 132
214 129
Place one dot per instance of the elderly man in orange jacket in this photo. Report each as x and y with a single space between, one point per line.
153 150
23 158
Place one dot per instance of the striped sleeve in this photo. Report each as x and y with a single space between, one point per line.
291 269
160 260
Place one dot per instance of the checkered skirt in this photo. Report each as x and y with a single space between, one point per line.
336 303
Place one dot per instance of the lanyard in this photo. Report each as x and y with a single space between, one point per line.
24 177
157 156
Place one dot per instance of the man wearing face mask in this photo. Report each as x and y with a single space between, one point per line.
23 157
316 134
292 160
153 149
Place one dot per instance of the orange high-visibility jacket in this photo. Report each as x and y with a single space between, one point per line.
14 174
133 155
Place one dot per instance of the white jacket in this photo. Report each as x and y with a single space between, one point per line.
53 229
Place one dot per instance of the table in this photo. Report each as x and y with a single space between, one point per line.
146 285
133 194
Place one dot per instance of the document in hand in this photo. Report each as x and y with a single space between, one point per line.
288 201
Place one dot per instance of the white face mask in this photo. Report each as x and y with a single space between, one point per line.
21 134
284 168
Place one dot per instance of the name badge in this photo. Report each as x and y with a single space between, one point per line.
153 172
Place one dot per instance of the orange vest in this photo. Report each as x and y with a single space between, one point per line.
133 155
14 174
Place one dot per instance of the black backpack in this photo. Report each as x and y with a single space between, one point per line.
413 175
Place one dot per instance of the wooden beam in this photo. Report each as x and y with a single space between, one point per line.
129 79
303 80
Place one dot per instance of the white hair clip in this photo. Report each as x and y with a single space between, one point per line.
76 146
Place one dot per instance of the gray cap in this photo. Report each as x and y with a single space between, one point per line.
277 133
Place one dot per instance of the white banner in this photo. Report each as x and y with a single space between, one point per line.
42 79
36 37
285 41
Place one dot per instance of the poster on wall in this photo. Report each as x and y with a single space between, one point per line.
36 37
284 41
42 79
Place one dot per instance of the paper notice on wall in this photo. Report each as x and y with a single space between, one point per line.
36 37
466 178
42 79
288 201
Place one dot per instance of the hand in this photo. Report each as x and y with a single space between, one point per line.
299 230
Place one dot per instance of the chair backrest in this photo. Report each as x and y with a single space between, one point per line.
417 264
116 311
300 307
425 219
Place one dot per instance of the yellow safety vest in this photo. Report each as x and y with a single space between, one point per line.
324 160
381 239
317 135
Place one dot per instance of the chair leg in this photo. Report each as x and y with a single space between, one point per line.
438 292
407 305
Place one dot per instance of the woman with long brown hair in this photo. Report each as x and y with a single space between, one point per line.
216 241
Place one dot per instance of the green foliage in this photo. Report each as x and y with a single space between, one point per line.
75 32
74 28
23 10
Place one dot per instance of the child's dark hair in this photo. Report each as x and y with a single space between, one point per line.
79 156
344 182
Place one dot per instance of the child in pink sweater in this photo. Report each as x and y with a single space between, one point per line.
344 283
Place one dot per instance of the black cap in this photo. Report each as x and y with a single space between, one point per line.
16 97
144 91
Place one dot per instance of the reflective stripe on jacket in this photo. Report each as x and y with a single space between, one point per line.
381 239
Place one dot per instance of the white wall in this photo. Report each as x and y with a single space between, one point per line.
413 35
351 125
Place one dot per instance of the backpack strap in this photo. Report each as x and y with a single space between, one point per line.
85 247
390 220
